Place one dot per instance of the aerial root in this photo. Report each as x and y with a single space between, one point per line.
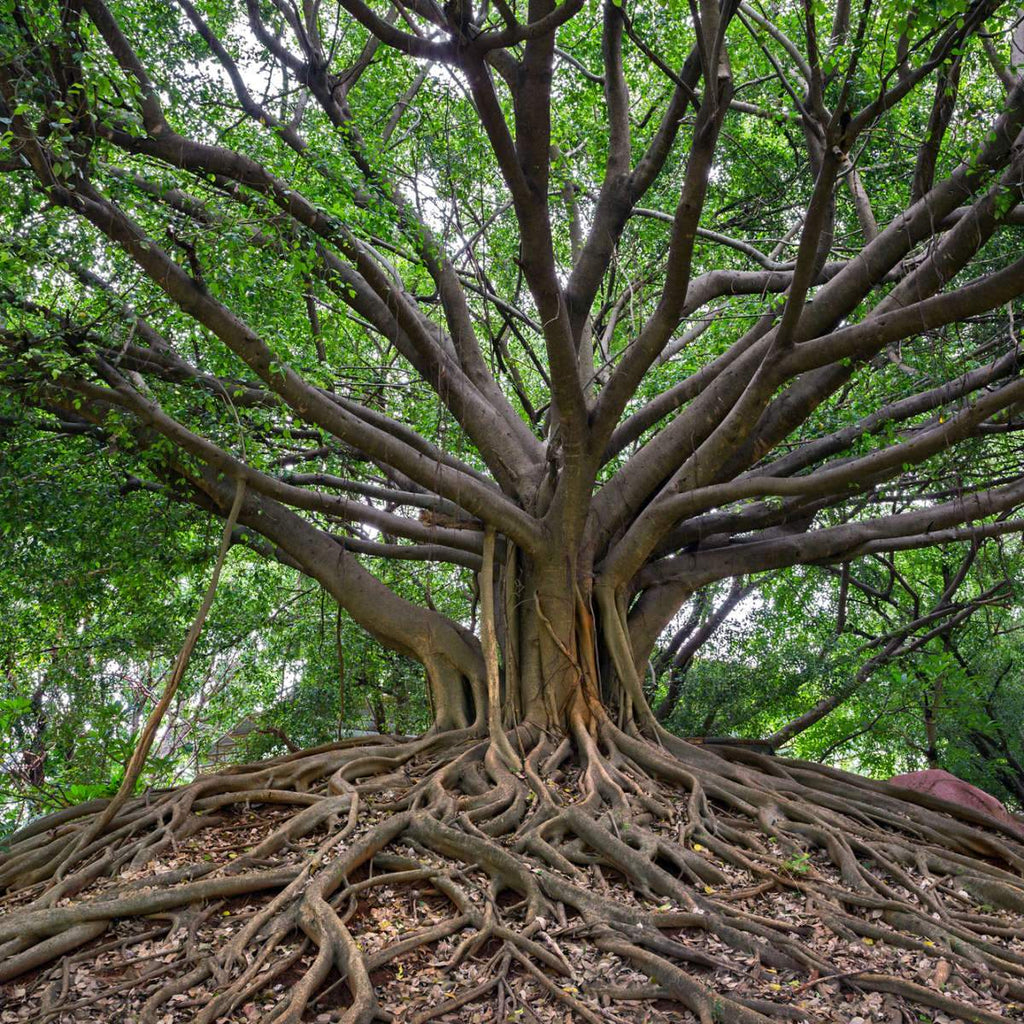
578 847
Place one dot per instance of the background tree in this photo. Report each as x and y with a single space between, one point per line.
899 662
602 306
97 605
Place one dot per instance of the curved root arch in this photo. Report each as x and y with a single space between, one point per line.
657 854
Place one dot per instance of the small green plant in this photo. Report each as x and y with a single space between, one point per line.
798 864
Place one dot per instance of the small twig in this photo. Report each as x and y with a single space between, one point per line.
829 977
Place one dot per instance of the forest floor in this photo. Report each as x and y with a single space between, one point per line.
109 979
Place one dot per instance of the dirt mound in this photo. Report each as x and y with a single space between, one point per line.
421 880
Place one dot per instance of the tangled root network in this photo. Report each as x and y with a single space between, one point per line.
612 878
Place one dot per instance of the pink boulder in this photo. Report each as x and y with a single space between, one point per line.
946 786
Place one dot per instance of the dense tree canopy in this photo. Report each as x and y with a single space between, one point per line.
533 335
653 327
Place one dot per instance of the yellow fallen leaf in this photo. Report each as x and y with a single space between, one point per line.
869 942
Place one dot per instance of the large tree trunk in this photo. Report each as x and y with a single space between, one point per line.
551 643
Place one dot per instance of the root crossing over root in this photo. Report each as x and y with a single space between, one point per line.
598 874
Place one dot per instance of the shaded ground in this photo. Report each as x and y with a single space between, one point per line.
449 936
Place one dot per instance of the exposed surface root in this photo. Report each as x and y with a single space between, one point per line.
612 878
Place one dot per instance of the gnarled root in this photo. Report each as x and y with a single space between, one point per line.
612 869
